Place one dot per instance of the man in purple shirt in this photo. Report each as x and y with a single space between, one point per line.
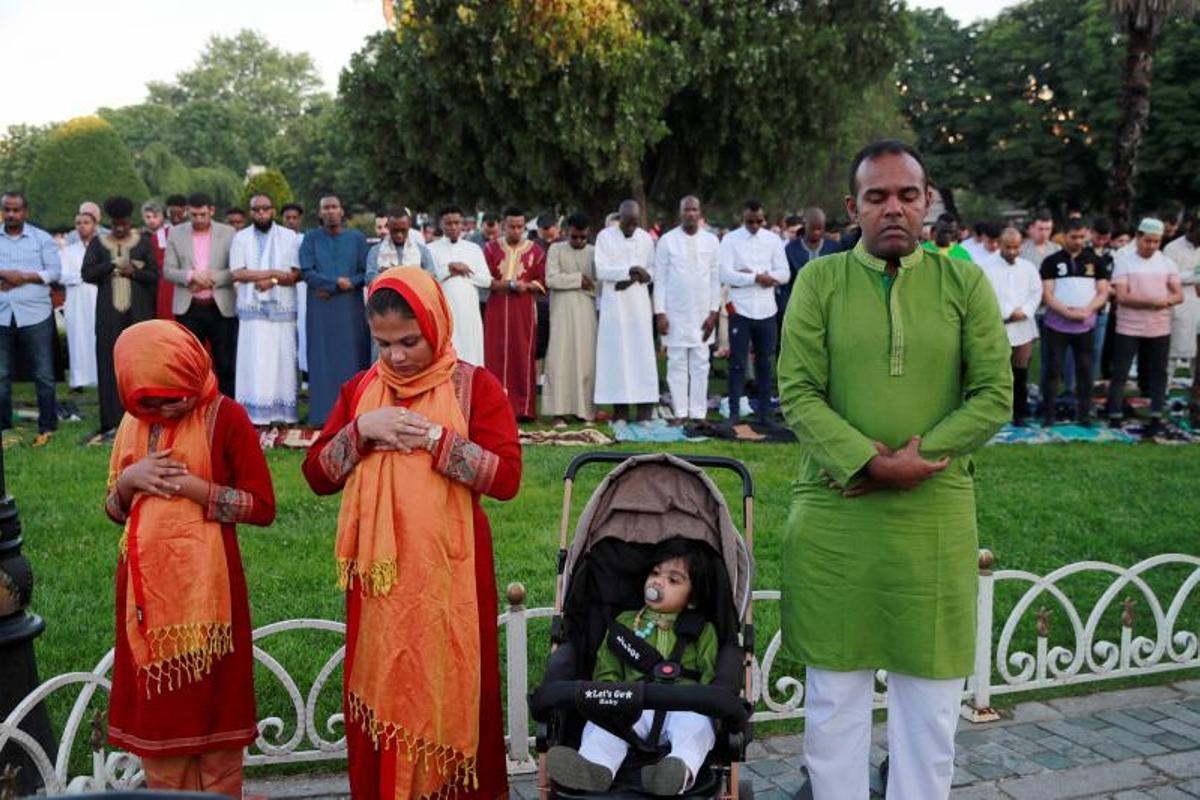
1074 288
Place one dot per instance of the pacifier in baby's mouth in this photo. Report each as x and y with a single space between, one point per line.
653 594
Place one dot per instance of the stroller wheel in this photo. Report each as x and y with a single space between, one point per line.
745 789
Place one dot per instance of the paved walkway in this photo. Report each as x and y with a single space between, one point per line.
1132 744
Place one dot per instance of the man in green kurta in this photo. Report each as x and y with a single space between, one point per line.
945 239
894 366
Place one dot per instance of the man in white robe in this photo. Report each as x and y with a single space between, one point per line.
1185 317
1184 252
80 307
265 261
626 369
687 302
1018 285
460 267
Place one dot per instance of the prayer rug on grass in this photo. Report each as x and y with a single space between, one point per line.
654 430
585 437
1099 432
744 431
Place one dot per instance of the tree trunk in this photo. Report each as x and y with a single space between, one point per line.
1135 113
637 189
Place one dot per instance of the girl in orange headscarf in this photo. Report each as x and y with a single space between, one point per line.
186 466
413 442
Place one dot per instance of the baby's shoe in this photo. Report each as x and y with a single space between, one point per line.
568 768
668 777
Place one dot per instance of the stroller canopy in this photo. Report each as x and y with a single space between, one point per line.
656 497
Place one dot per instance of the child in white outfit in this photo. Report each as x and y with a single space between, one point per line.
669 589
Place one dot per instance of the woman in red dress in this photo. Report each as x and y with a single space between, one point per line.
186 467
414 442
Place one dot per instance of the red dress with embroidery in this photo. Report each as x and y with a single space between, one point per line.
488 461
218 711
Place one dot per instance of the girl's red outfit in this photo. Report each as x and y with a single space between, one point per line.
218 711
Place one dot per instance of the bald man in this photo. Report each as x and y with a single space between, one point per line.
803 249
687 302
626 369
1018 288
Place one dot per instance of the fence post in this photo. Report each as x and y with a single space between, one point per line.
516 639
979 707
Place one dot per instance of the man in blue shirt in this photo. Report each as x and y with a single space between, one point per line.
29 263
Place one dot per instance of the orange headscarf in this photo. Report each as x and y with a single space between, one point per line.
177 609
406 542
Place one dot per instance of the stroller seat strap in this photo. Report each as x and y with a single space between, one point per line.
644 657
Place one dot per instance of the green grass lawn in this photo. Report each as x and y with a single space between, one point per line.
1039 508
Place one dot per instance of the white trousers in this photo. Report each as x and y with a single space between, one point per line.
690 735
687 378
922 717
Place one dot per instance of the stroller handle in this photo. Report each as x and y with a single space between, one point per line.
711 462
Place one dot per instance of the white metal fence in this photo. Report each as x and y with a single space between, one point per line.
1147 644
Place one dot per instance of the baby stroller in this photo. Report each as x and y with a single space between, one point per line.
646 500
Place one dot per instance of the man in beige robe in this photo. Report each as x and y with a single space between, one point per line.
571 354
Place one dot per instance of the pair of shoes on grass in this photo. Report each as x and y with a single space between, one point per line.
567 768
101 438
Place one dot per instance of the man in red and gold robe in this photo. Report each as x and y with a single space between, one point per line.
518 268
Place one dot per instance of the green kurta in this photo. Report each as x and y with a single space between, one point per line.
887 580
954 251
700 655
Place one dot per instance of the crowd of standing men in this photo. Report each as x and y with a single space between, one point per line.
568 309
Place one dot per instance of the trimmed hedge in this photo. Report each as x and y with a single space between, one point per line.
83 159
273 184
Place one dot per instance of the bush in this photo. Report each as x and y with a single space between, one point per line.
84 159
271 183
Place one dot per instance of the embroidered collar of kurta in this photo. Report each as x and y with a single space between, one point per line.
512 258
891 289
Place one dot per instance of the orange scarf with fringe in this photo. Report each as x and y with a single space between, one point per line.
178 616
406 542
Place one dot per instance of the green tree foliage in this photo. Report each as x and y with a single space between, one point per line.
317 154
141 126
163 171
585 101
1171 151
270 182
823 177
84 159
18 152
245 72
207 133
235 103
1025 106
222 185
